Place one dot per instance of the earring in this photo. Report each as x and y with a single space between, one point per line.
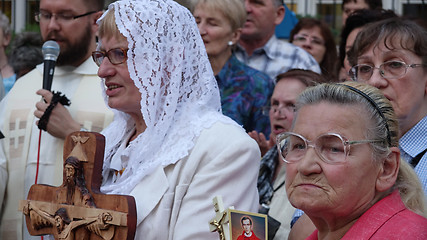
230 43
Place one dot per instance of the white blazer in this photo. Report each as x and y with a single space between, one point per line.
175 201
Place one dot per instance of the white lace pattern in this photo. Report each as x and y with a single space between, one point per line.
168 63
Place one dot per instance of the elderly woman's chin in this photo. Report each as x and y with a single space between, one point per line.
307 196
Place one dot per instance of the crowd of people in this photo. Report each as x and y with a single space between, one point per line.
199 98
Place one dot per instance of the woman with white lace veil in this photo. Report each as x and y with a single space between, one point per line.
169 145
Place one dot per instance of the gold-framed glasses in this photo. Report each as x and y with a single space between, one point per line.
115 55
44 16
388 70
332 148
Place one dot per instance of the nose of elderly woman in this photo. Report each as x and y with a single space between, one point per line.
309 164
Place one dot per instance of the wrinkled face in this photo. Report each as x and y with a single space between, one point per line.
75 36
408 94
322 189
122 93
261 20
69 172
247 227
312 41
282 104
350 7
215 30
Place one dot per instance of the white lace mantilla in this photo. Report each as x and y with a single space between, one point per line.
168 62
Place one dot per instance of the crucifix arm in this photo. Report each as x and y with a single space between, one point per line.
39 218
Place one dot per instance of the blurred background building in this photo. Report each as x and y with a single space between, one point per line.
331 10
21 12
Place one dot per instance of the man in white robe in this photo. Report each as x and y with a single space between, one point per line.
72 24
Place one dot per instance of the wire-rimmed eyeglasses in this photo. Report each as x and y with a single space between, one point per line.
303 38
115 55
44 16
290 108
388 70
332 148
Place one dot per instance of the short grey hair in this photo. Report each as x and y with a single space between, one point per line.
5 24
384 124
233 10
407 182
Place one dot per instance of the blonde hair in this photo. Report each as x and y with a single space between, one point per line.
108 27
233 10
410 189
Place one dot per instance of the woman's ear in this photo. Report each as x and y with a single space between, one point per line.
389 168
6 40
236 35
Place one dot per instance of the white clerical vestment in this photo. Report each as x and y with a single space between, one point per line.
18 151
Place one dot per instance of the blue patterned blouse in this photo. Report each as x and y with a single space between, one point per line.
244 91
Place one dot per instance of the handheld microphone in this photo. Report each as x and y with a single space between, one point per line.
50 52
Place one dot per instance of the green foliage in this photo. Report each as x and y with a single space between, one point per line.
32 28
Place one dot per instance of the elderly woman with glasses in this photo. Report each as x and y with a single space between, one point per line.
271 179
391 55
343 168
169 146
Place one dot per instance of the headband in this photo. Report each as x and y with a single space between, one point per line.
374 104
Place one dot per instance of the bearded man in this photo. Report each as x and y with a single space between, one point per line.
72 24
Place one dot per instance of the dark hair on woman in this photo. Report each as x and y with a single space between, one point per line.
327 65
394 33
373 4
357 19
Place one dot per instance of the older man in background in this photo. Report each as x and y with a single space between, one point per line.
261 49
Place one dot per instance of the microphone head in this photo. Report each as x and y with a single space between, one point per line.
50 50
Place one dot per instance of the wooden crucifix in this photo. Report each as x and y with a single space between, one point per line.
77 209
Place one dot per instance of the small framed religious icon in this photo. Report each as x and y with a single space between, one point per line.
247 225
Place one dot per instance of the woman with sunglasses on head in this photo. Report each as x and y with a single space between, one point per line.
343 169
391 55
169 146
316 38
